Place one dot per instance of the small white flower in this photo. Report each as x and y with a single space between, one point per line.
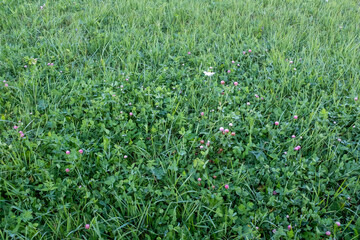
209 73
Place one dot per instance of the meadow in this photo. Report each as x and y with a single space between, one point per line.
161 119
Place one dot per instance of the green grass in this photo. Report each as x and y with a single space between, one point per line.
83 102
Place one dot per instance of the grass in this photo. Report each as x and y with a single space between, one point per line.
304 61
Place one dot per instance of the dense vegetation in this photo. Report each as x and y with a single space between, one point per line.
110 128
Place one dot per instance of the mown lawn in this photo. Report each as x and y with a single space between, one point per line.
110 128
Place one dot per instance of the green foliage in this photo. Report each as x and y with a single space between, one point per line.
137 177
